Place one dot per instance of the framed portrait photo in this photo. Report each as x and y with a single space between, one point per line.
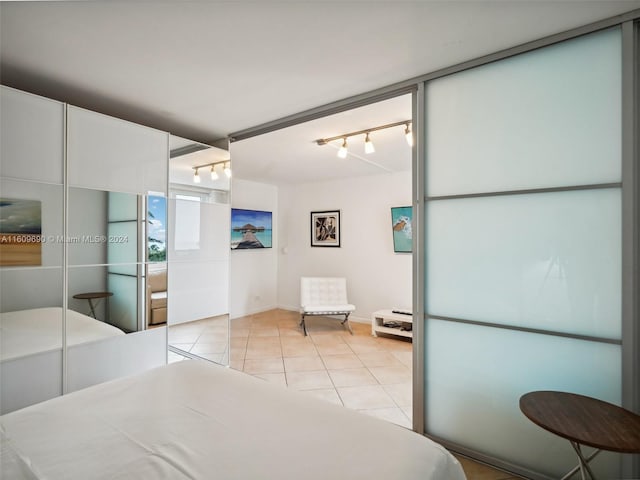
325 229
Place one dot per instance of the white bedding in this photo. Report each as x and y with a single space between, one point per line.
196 420
26 332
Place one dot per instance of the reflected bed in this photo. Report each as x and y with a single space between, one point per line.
39 330
31 352
196 420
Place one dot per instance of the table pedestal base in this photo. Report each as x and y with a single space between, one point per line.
583 466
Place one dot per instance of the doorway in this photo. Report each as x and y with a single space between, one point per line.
291 174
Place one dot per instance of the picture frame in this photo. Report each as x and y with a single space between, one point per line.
251 229
21 236
325 228
402 229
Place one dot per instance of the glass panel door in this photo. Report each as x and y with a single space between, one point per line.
523 247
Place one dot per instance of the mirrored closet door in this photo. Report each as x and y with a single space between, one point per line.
199 246
31 249
117 175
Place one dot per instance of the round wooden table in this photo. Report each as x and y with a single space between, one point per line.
583 421
90 296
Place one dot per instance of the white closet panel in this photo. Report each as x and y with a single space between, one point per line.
198 290
31 137
112 154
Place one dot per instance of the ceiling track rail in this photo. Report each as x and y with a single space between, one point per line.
326 110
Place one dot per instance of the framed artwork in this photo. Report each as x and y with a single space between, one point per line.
250 229
20 232
325 229
401 226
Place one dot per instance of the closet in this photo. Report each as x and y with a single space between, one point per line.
75 187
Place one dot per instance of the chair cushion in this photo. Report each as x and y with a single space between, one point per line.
158 300
323 291
158 316
157 281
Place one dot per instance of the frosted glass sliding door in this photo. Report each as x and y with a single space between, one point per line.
523 247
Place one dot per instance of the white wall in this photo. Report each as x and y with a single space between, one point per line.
253 273
376 276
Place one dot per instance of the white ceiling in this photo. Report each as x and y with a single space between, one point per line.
204 69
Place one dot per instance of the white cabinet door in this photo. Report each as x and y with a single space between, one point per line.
31 137
107 153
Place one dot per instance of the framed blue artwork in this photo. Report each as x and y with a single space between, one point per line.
250 229
401 226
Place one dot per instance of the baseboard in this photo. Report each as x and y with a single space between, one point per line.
252 312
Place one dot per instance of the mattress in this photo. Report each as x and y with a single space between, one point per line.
26 332
196 420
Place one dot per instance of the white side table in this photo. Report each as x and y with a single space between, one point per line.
379 318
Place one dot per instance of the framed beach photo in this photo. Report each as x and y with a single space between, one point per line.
401 226
325 228
20 232
250 229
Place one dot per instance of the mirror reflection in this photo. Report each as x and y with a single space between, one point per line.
116 284
117 257
156 294
199 240
31 293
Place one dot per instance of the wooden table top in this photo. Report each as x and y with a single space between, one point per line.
89 295
584 420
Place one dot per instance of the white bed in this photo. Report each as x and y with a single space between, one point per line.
27 332
196 420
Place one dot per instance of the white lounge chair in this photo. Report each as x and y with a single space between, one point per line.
324 296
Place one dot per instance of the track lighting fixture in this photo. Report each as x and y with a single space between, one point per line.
342 152
214 174
368 144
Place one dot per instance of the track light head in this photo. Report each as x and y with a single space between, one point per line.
342 152
214 174
408 135
368 145
227 169
196 177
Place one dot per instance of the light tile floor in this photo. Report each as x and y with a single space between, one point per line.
369 374
207 338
